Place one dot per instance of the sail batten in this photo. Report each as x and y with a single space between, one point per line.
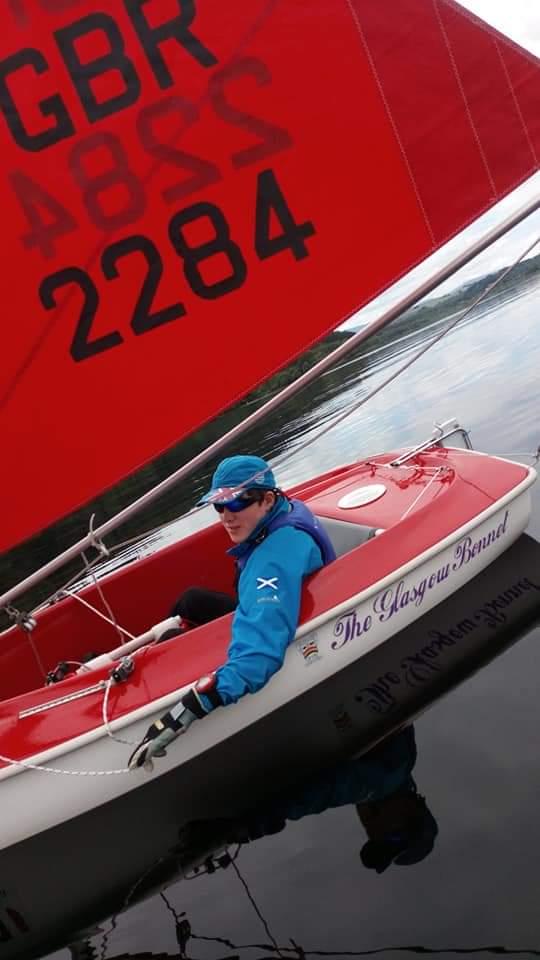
191 202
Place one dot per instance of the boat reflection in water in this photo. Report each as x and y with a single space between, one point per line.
397 827
370 710
397 821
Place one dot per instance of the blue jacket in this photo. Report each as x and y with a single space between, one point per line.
272 566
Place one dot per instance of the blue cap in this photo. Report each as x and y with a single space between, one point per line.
237 473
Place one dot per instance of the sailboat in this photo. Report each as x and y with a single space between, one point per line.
115 855
248 177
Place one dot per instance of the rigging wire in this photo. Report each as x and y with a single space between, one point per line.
330 425
230 861
253 902
113 623
128 898
184 933
325 363
416 356
121 633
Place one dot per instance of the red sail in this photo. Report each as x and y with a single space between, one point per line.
194 192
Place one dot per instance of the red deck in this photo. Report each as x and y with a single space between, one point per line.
142 593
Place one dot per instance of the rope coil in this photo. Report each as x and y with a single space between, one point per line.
27 765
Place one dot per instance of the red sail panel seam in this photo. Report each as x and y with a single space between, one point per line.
492 105
477 21
519 111
462 91
393 123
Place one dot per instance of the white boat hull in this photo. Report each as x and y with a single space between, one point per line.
113 854
321 649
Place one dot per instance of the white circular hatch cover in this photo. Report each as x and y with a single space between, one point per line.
361 496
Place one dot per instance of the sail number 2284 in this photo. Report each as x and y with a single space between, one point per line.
276 231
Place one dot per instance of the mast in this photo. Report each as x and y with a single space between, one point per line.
403 304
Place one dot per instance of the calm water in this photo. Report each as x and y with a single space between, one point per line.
478 758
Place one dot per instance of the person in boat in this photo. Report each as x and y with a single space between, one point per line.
277 542
400 827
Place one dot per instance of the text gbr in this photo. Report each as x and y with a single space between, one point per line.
102 27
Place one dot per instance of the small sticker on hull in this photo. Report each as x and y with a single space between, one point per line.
309 650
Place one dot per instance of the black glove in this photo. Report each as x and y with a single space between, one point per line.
174 723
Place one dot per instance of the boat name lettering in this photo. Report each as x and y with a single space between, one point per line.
398 597
349 627
417 668
468 549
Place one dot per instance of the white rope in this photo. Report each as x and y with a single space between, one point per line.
59 591
96 542
128 743
104 600
412 505
98 613
81 773
414 467
87 569
61 701
70 773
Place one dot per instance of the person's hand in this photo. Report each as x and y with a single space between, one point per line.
195 704
159 735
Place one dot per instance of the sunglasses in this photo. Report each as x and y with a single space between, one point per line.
239 503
